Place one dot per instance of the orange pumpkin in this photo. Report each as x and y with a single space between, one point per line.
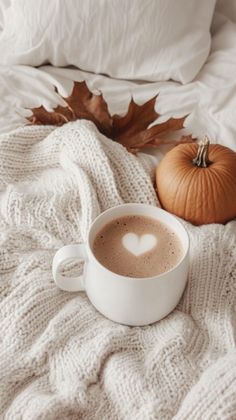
198 182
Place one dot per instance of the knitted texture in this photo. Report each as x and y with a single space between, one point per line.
61 359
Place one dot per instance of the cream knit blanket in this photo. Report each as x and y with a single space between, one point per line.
59 358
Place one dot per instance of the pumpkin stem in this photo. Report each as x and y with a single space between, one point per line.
202 160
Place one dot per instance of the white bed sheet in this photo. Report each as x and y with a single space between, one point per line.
210 100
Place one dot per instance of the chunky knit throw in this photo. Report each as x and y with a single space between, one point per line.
59 358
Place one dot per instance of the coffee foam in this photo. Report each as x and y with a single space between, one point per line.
137 246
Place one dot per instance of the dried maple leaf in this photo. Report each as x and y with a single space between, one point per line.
130 130
137 118
81 104
142 138
43 117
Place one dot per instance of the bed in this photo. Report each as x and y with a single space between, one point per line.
61 359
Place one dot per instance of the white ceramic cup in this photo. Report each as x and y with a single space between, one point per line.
126 300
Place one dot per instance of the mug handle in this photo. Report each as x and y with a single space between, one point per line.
64 254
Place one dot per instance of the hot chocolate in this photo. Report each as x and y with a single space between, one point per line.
137 246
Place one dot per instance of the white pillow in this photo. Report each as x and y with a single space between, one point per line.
129 39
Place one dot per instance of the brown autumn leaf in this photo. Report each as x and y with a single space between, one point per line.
130 130
137 118
81 104
43 117
149 135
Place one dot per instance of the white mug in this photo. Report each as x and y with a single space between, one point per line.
126 300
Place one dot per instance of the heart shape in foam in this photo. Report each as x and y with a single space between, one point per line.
138 245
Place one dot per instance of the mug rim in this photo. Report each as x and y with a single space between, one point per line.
157 276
